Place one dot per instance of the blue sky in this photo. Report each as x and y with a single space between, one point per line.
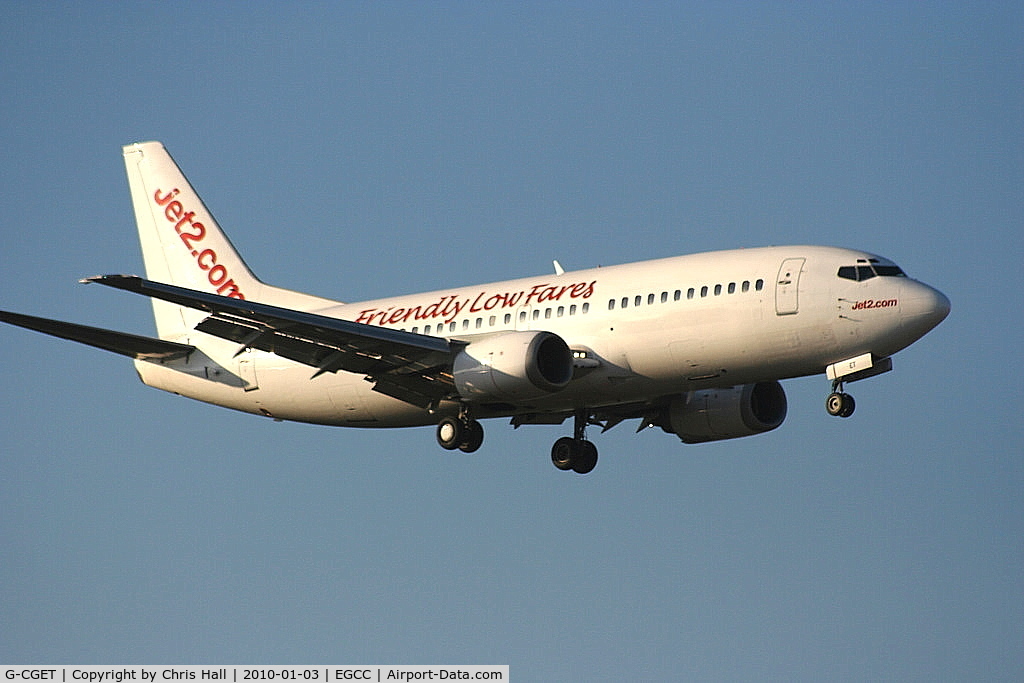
362 150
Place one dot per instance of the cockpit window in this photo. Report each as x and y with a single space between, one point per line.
862 272
856 273
890 271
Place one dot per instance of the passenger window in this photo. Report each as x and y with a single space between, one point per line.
718 289
678 295
650 299
561 311
611 304
690 292
572 310
536 314
625 301
732 287
637 300
508 318
759 285
479 323
746 285
492 320
451 328
704 291
426 330
586 308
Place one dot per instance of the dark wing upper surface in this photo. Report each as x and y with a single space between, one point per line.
411 367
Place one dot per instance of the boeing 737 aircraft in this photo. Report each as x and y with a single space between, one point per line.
695 345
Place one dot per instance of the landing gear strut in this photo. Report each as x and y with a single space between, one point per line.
838 403
460 433
575 453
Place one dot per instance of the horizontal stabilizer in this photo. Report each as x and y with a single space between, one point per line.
132 345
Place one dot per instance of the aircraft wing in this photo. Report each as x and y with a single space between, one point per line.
412 367
132 345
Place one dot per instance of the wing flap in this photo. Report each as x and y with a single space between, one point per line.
131 345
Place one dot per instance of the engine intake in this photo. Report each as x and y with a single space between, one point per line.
513 366
716 414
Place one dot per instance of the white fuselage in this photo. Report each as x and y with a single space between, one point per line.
640 331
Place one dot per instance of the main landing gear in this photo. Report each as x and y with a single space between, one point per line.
838 403
575 453
460 433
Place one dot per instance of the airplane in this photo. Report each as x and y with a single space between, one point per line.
696 345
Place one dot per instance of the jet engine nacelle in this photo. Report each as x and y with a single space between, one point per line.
716 414
513 366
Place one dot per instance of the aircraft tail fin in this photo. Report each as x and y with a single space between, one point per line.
183 245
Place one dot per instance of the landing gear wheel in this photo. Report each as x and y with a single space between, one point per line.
849 405
454 433
474 437
578 455
840 404
586 458
563 453
834 403
451 433
575 452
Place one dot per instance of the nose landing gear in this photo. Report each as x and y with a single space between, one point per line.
839 404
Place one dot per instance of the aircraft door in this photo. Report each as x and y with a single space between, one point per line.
787 286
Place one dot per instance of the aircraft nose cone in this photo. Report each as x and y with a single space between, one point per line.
942 306
923 307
